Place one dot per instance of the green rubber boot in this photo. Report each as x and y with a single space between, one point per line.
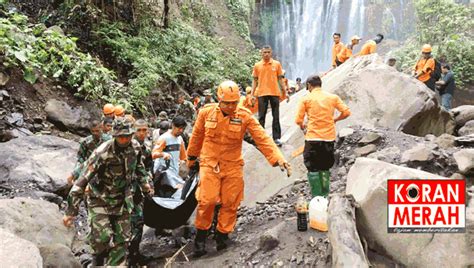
315 183
325 177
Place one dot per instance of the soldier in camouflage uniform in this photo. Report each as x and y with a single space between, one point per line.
185 108
87 146
141 136
108 174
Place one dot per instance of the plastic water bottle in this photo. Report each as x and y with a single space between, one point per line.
318 214
302 211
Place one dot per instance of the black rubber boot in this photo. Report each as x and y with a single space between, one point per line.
200 243
222 240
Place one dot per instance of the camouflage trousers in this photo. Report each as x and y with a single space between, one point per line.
109 236
137 223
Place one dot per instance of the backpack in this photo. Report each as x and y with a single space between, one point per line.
436 74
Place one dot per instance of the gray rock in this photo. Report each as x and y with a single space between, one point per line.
430 137
445 141
389 154
370 137
345 132
15 119
56 29
465 160
45 161
18 252
465 140
367 182
463 114
419 153
66 117
58 255
410 106
270 239
363 151
37 221
4 79
467 129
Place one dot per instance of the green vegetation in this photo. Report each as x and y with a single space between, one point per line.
179 55
37 50
185 55
448 28
241 11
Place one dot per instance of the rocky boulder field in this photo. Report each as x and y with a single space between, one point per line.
397 135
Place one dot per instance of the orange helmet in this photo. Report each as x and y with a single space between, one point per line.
426 48
119 110
108 109
228 91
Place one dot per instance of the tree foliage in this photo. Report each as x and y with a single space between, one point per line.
448 27
41 51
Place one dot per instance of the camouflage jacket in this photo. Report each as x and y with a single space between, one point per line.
186 110
146 154
86 147
109 173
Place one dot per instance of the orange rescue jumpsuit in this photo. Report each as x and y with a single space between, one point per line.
425 67
217 140
336 49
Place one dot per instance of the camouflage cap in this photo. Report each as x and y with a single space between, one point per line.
122 127
207 92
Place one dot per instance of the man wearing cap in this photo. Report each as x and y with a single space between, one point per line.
108 174
162 118
318 107
346 51
425 66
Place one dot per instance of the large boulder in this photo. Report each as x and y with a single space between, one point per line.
463 114
75 119
380 96
467 129
261 179
465 160
40 161
18 252
37 221
367 182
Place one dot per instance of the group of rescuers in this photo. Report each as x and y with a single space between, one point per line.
436 76
115 163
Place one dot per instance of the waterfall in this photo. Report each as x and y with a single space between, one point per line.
301 31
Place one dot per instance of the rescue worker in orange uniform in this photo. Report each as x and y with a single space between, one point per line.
346 51
371 46
108 110
217 140
425 66
318 107
336 49
119 111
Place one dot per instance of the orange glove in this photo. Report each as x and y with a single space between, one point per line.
68 220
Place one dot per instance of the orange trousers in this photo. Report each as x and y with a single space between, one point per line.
222 184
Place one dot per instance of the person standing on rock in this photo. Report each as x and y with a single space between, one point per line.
346 51
217 140
446 86
336 49
318 107
137 221
86 147
268 77
425 66
371 46
108 175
